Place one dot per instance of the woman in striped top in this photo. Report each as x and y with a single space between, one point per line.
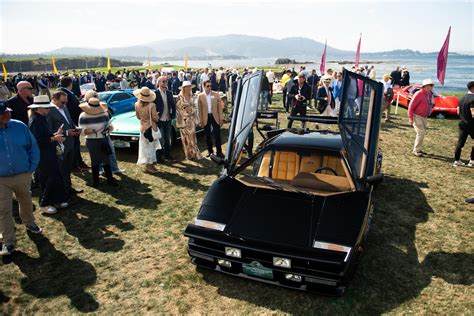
94 122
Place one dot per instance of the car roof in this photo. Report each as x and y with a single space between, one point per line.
313 139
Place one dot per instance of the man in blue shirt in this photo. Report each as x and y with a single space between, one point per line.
20 157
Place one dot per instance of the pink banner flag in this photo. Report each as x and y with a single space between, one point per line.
322 68
358 51
443 59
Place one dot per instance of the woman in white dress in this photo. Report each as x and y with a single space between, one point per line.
145 110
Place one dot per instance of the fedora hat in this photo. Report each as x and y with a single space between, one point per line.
93 106
145 94
187 83
428 82
41 101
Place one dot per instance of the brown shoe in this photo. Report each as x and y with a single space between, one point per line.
151 169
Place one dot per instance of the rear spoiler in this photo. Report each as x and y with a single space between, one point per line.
314 119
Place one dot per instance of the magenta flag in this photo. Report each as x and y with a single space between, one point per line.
443 59
358 51
322 68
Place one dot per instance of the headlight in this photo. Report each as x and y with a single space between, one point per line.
233 252
224 263
332 247
293 277
209 224
281 262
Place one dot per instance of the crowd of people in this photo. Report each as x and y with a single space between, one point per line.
40 131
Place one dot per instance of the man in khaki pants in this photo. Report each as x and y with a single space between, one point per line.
418 112
20 156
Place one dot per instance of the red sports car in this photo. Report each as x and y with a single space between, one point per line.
443 104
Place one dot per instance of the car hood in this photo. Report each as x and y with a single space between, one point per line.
126 123
297 220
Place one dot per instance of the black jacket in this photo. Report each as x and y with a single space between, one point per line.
322 103
160 105
55 120
405 81
19 108
72 105
39 127
396 77
100 84
305 92
465 115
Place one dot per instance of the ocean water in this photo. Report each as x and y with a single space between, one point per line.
459 70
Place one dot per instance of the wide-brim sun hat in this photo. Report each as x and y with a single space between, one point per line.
428 82
187 84
93 106
41 101
145 94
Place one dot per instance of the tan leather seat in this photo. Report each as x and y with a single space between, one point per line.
286 165
264 170
311 163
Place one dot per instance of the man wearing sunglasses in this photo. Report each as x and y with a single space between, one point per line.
211 115
59 116
19 103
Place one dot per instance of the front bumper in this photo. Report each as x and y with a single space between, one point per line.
323 273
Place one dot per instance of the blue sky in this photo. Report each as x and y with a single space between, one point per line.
385 25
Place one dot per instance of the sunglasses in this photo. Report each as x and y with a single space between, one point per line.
207 86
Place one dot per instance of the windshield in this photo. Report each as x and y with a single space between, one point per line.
103 97
88 86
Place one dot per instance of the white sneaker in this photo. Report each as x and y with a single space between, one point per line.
471 163
458 163
119 171
49 210
62 205
6 250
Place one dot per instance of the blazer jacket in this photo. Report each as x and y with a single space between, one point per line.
55 120
160 105
216 107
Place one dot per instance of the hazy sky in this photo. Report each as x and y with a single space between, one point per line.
36 26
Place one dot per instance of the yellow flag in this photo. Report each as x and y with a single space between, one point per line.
186 62
4 72
55 70
108 63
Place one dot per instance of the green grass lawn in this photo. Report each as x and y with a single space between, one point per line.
122 250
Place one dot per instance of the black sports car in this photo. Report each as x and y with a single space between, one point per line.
296 213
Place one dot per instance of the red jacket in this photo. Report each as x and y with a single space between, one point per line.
421 104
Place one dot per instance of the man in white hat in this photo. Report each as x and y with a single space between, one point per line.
418 111
20 157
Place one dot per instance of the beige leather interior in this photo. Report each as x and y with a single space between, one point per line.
323 182
290 166
286 165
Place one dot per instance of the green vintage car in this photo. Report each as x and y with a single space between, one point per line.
126 131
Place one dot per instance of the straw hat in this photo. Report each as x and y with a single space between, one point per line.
145 94
90 94
41 101
93 106
428 82
185 84
326 78
387 76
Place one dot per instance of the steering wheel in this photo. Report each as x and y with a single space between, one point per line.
322 168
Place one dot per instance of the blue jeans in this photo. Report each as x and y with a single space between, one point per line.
165 130
264 100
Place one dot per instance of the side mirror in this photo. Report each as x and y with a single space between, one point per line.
218 160
375 179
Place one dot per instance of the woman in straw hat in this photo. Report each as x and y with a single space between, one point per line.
186 121
54 193
145 111
94 122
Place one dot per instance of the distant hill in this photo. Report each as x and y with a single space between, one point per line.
231 46
236 46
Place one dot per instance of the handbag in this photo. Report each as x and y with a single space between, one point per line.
150 134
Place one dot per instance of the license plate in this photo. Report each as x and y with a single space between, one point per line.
121 144
256 269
